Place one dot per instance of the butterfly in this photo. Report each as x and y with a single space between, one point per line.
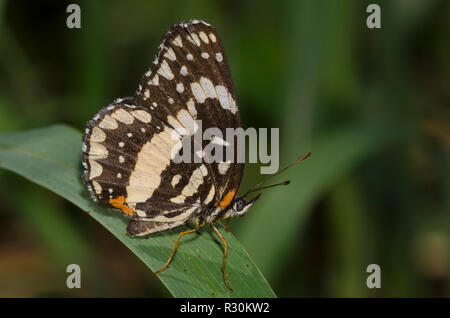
128 147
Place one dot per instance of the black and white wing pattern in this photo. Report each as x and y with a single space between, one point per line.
129 147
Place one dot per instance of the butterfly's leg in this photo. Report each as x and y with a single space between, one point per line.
226 225
175 248
224 256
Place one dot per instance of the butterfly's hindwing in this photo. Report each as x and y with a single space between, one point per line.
141 228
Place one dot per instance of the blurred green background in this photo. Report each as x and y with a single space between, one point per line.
371 104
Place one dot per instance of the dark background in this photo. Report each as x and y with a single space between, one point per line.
372 105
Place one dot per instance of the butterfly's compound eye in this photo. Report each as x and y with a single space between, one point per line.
239 205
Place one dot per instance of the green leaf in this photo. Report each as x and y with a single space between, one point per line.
51 157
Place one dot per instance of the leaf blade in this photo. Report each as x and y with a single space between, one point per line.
51 156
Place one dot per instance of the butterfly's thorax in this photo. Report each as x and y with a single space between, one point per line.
210 215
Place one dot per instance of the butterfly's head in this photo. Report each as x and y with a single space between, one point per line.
241 205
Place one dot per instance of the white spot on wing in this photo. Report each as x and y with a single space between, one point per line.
153 158
98 135
108 123
141 214
176 178
232 103
165 70
204 37
219 57
97 151
123 116
212 37
205 55
96 169
180 88
170 54
196 39
191 107
205 89
223 97
204 170
185 118
198 92
210 196
177 41
175 124
97 187
195 181
142 115
208 87
154 81
183 70
178 199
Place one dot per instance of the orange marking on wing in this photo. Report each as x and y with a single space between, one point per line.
118 203
228 198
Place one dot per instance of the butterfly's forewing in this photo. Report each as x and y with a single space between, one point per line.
191 73
128 146
127 154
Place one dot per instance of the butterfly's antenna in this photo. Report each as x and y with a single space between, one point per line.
258 186
269 186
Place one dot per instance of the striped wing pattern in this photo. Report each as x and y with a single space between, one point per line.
128 147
